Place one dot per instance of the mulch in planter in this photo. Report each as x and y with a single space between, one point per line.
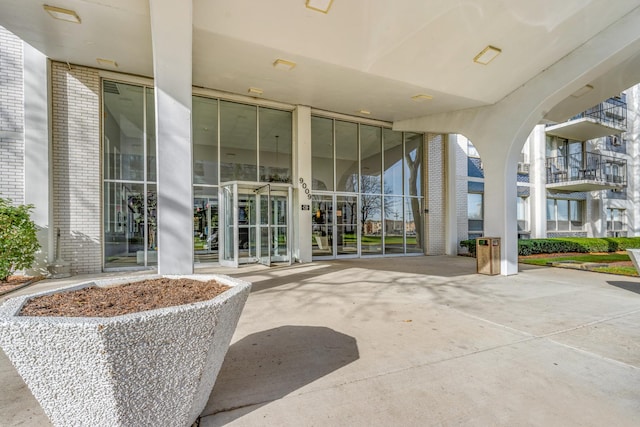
123 299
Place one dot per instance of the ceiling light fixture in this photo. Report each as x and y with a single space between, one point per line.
283 64
319 5
584 89
487 55
421 97
255 91
107 62
365 112
62 14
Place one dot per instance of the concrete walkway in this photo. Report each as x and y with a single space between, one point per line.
417 341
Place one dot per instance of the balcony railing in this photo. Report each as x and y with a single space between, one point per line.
613 111
592 167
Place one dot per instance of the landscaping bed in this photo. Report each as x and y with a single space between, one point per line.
602 262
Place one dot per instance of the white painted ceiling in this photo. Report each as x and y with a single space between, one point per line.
364 54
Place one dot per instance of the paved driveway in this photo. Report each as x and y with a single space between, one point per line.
419 341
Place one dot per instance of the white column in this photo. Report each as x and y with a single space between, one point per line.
538 181
500 207
302 175
171 34
451 209
37 181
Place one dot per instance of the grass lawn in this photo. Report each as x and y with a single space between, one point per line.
609 258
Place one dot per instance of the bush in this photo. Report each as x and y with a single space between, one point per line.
470 245
18 240
567 244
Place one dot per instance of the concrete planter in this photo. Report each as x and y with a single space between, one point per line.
634 254
150 368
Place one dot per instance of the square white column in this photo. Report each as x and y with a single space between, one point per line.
171 34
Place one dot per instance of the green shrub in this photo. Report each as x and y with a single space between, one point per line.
470 245
567 244
18 240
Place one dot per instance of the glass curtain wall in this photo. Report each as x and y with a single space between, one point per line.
231 141
377 205
130 198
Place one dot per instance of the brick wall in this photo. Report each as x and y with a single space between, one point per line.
11 118
436 196
76 165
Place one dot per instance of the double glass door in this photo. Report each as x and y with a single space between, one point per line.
255 223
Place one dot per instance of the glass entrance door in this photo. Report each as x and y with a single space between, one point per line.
254 221
264 198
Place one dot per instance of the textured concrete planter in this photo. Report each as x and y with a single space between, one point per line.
634 254
152 368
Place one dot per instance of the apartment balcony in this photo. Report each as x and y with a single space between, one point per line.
607 118
585 172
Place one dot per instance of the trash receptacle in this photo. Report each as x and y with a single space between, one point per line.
488 255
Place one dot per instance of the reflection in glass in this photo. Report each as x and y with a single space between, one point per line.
371 159
322 223
247 226
413 224
205 140
413 164
229 218
346 156
392 162
371 229
129 224
275 145
205 224
123 132
393 225
151 134
322 153
238 142
347 225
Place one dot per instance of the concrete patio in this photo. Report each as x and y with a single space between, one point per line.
416 341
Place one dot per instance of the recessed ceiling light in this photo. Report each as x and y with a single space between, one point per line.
584 89
487 55
364 112
283 64
62 14
255 91
107 62
319 5
421 97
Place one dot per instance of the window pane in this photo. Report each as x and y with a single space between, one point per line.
563 214
151 135
346 225
575 210
275 145
474 206
124 224
238 139
322 153
205 224
413 164
371 159
205 140
371 217
393 225
123 132
322 223
346 156
392 162
413 224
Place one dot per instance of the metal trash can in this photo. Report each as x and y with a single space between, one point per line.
488 255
